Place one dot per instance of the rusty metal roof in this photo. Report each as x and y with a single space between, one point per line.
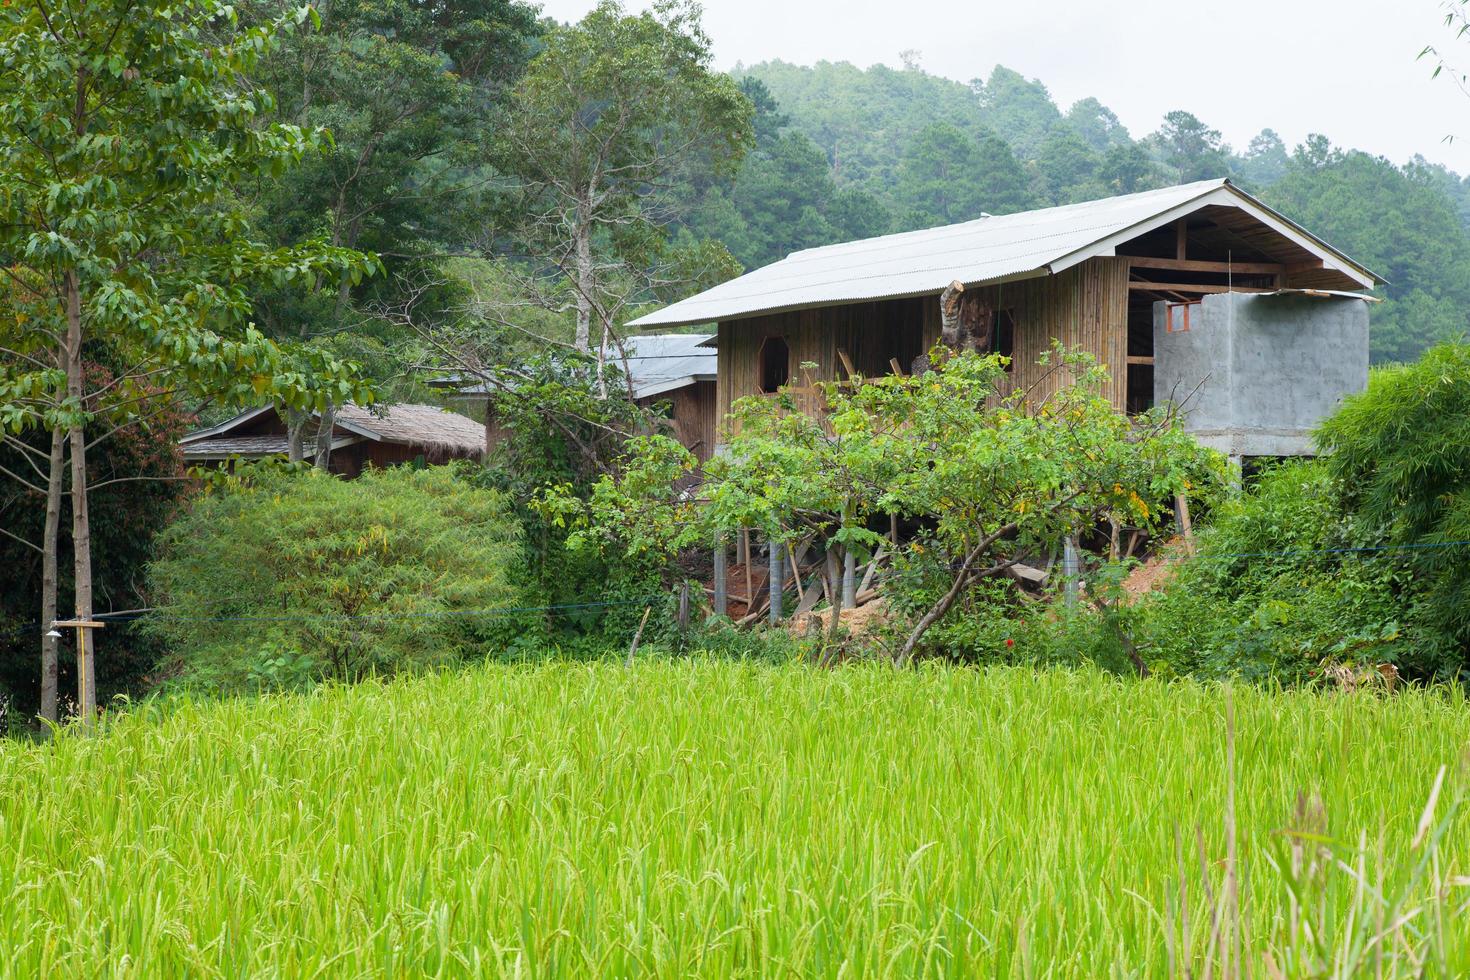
987 250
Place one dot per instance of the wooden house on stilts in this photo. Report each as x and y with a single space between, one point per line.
1198 288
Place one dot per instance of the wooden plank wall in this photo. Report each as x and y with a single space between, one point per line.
693 409
1084 307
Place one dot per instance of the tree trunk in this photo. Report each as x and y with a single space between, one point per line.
834 592
81 525
296 434
585 280
602 364
50 544
936 613
963 578
322 457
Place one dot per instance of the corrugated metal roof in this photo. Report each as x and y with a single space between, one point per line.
657 363
661 363
988 249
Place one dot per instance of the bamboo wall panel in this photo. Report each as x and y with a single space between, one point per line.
1084 307
694 417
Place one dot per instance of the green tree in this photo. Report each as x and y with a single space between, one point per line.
411 94
1127 169
945 176
1020 108
1265 161
1068 168
1098 125
768 120
857 214
1397 222
124 130
784 195
997 478
1192 150
609 118
1002 181
863 119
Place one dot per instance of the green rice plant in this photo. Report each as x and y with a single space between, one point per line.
1341 918
702 817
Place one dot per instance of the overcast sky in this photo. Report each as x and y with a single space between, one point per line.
1346 68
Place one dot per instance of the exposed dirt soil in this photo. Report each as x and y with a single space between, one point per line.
738 602
1153 573
857 621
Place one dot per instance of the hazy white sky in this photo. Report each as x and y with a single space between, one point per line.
1346 68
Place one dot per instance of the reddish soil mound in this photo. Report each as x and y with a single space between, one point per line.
1153 573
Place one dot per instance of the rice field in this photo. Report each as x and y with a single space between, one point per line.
709 818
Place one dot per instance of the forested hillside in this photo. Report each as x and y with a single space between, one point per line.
843 152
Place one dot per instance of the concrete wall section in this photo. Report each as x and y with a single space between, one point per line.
1267 368
1192 368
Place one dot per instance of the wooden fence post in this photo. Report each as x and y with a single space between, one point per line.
1186 526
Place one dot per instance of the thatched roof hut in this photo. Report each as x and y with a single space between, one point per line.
385 435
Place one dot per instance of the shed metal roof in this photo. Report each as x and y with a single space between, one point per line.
987 250
657 364
661 363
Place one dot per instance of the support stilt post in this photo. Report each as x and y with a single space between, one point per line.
777 571
1071 568
722 586
1186 526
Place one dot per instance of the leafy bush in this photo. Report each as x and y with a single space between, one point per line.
1281 584
1357 557
282 580
1401 453
996 477
561 432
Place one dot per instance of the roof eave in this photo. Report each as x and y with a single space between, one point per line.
227 425
645 320
673 384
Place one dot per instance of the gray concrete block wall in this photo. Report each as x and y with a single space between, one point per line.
1256 372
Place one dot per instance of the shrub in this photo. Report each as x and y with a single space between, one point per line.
995 477
1401 453
1280 584
281 579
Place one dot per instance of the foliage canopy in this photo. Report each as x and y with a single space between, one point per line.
284 579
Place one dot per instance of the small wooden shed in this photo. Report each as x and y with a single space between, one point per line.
382 436
1103 276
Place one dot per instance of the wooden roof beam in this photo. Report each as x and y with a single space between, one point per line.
1185 287
1200 265
1314 265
